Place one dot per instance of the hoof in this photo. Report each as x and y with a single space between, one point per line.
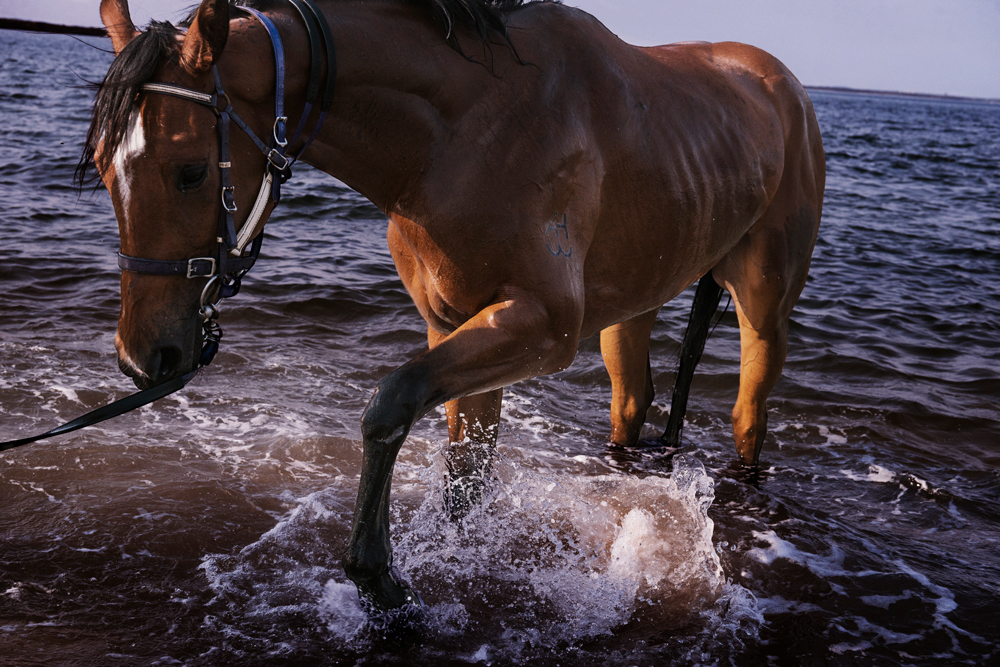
751 475
397 629
664 445
462 494
386 593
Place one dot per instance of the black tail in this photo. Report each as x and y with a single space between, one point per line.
706 302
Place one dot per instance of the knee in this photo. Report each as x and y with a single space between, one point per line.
393 408
562 337
560 351
547 332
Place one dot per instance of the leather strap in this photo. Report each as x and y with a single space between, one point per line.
110 411
331 55
280 120
331 73
196 267
312 89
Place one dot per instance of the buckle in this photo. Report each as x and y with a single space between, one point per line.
198 270
279 131
232 197
285 163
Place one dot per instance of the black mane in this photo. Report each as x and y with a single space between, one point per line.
141 57
482 16
134 66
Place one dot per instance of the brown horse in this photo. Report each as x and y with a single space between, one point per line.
543 180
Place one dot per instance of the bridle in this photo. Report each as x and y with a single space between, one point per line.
236 252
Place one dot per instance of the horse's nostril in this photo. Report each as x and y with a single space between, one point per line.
165 363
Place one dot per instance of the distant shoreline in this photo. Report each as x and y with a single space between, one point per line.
893 93
57 29
50 28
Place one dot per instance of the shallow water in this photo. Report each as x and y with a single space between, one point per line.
206 529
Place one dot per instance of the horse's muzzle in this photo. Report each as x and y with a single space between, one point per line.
161 365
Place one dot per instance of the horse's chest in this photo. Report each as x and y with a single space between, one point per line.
446 294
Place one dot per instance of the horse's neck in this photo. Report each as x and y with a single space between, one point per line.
400 90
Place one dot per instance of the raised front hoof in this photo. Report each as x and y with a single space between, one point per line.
394 627
462 495
385 594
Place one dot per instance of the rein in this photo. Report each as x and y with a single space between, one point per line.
232 258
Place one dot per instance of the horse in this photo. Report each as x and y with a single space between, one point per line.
543 182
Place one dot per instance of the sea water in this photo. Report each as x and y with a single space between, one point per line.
207 529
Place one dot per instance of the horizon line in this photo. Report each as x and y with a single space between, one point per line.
43 27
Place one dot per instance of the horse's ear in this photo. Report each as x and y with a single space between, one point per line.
118 23
207 36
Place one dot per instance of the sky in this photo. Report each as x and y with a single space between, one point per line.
942 47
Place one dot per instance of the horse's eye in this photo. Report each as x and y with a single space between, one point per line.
191 177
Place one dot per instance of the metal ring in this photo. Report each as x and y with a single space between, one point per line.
208 309
279 121
208 313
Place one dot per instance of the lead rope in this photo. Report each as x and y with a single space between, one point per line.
110 411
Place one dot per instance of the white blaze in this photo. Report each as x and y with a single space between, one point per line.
132 145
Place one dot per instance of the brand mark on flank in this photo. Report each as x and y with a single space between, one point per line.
552 233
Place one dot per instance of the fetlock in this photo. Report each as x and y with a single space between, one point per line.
748 434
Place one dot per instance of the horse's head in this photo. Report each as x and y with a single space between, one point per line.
158 156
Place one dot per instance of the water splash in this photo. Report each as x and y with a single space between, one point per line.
546 562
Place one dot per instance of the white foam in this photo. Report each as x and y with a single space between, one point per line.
865 626
825 566
885 601
944 603
68 393
831 437
876 473
341 609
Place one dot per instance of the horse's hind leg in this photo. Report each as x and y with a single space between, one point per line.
765 273
625 348
767 269
706 303
472 435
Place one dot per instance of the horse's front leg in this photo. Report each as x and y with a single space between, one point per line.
509 341
625 349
